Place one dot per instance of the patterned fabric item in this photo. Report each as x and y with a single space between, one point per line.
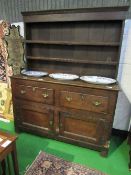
6 107
2 69
46 164
15 49
3 96
5 70
3 50
8 111
5 73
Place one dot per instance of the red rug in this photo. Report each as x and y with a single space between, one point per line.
46 164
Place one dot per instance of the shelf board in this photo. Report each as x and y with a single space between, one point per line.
71 60
73 43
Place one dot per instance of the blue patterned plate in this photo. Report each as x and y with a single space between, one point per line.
34 73
62 76
98 80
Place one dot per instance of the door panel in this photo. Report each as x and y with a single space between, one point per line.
80 127
35 116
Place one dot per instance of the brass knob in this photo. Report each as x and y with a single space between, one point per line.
57 131
45 95
97 103
68 99
61 125
33 89
82 97
51 123
22 92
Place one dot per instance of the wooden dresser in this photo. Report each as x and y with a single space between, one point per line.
82 42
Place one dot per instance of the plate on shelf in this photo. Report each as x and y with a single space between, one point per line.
34 73
98 80
62 76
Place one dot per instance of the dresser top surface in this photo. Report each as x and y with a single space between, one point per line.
77 83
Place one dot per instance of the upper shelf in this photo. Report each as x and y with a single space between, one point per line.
73 43
72 60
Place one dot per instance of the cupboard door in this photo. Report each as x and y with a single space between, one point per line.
80 127
34 116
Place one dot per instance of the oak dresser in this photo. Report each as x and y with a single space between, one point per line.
82 42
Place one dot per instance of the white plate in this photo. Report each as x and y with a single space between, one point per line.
61 76
34 73
98 80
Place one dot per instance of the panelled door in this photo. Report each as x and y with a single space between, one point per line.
83 128
34 116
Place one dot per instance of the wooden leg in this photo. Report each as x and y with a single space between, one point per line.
3 165
15 161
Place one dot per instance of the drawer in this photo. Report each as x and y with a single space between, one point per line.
36 94
84 101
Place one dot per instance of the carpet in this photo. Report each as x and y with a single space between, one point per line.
46 164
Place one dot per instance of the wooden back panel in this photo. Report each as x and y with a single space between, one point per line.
81 41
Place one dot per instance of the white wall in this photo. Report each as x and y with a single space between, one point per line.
124 76
123 108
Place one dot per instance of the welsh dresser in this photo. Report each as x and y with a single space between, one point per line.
78 41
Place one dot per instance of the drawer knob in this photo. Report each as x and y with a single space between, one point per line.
45 95
33 89
51 123
96 103
61 125
57 131
82 97
22 92
68 99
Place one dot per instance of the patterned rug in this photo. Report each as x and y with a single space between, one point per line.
46 164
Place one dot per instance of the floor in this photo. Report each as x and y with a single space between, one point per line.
28 146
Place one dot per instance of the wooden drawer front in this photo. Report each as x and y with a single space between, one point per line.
37 94
33 115
84 101
84 128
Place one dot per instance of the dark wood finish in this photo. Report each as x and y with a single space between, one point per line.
73 43
43 95
108 13
10 149
84 101
82 42
80 113
35 115
89 43
70 60
83 128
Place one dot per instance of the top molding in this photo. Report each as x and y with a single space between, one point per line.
82 14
